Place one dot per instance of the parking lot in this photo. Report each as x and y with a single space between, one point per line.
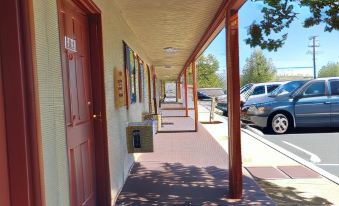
319 146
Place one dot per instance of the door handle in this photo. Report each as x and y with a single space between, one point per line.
327 102
97 116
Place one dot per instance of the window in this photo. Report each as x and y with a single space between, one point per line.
245 88
288 88
272 87
315 89
334 87
259 90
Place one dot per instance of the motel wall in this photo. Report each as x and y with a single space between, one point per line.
50 91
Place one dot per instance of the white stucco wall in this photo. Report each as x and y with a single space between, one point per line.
49 74
115 31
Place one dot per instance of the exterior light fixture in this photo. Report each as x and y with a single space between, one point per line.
170 50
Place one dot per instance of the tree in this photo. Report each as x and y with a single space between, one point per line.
207 67
330 70
257 69
279 14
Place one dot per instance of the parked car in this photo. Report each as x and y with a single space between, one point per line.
248 91
315 104
203 96
208 93
283 89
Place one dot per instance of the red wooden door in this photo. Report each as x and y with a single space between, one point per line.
4 184
78 103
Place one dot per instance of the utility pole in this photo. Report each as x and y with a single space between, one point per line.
313 45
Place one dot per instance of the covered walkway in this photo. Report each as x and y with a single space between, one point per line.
75 73
185 169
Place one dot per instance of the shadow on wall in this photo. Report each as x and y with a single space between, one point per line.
289 195
152 183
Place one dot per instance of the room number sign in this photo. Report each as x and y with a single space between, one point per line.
70 44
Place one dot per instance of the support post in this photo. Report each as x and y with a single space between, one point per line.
176 91
195 96
154 91
149 89
186 100
160 91
233 99
179 89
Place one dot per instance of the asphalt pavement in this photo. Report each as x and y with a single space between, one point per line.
320 146
317 145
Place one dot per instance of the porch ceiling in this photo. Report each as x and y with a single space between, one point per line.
179 24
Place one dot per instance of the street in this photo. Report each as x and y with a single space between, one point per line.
319 146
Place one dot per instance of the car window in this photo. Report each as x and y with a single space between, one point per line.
334 87
315 89
288 88
245 88
259 90
272 87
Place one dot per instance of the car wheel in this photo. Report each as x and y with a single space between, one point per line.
280 124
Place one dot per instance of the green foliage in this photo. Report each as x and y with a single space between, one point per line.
207 67
330 70
258 69
279 14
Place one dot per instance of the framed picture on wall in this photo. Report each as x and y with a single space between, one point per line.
136 76
141 83
130 74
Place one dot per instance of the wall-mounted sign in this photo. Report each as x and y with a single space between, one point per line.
70 44
119 88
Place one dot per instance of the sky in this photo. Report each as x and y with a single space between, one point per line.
295 51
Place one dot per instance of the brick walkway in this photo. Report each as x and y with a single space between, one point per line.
176 113
177 124
185 169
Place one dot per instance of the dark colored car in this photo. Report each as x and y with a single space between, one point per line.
208 93
202 96
315 104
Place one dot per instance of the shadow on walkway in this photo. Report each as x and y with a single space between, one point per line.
290 195
185 169
175 184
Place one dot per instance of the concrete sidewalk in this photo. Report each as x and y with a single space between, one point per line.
186 168
284 191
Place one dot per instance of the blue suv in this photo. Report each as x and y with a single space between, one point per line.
315 104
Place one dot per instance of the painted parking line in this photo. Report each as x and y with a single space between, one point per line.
312 166
313 157
328 165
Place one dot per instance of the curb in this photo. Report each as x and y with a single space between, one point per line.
253 133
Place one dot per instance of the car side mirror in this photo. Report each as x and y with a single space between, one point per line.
297 97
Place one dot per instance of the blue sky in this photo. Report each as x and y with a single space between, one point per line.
293 53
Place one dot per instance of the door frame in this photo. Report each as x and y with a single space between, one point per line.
22 120
102 175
